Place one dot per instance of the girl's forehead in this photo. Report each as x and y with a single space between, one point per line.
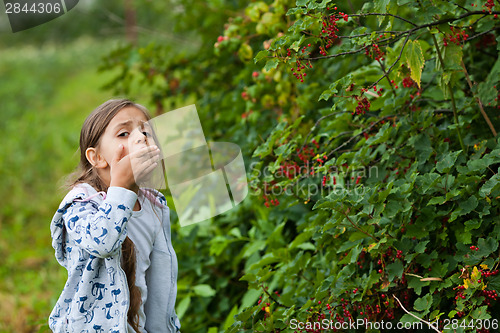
129 114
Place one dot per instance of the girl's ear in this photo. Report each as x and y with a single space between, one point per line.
95 158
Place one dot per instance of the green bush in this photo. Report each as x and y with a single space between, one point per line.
369 135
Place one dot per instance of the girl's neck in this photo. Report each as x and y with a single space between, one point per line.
137 206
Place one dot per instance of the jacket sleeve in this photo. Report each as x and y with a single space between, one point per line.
176 322
100 230
161 280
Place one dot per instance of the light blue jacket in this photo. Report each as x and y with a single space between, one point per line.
87 237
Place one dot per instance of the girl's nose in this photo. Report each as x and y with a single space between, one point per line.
139 137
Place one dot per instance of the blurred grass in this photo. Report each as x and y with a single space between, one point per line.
46 93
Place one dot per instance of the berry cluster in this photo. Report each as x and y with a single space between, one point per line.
373 51
361 260
315 143
489 295
459 293
390 255
489 4
363 105
299 72
289 170
244 115
379 91
457 36
408 82
274 202
305 48
220 39
486 41
489 273
329 29
347 310
382 264
474 248
306 153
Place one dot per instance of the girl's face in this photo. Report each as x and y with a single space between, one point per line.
129 128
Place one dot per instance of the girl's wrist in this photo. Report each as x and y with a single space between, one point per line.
132 187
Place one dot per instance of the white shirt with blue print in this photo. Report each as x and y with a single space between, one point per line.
87 233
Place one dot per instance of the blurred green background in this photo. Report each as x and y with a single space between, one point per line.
168 54
49 83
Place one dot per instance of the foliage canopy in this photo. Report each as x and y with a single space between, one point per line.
371 128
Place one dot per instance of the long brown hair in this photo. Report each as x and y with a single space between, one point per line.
92 130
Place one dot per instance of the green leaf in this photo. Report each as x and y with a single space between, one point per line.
394 270
447 161
423 147
230 317
420 248
415 60
300 239
452 57
204 290
437 200
415 284
253 246
481 313
307 246
250 297
271 64
490 185
478 165
406 318
472 224
261 55
381 7
464 208
182 307
423 303
469 204
487 92
428 181
487 247
245 52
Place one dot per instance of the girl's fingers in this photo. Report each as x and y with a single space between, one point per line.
145 171
146 161
147 151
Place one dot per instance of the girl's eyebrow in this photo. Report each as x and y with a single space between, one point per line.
145 124
125 123
128 122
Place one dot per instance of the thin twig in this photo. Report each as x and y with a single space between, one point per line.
384 14
453 104
393 64
360 133
410 31
271 297
485 116
315 125
338 136
480 34
357 227
411 314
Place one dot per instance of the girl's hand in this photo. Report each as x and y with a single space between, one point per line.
127 170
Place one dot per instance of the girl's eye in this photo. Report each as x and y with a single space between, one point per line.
123 134
147 134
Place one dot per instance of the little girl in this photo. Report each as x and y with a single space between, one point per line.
112 236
